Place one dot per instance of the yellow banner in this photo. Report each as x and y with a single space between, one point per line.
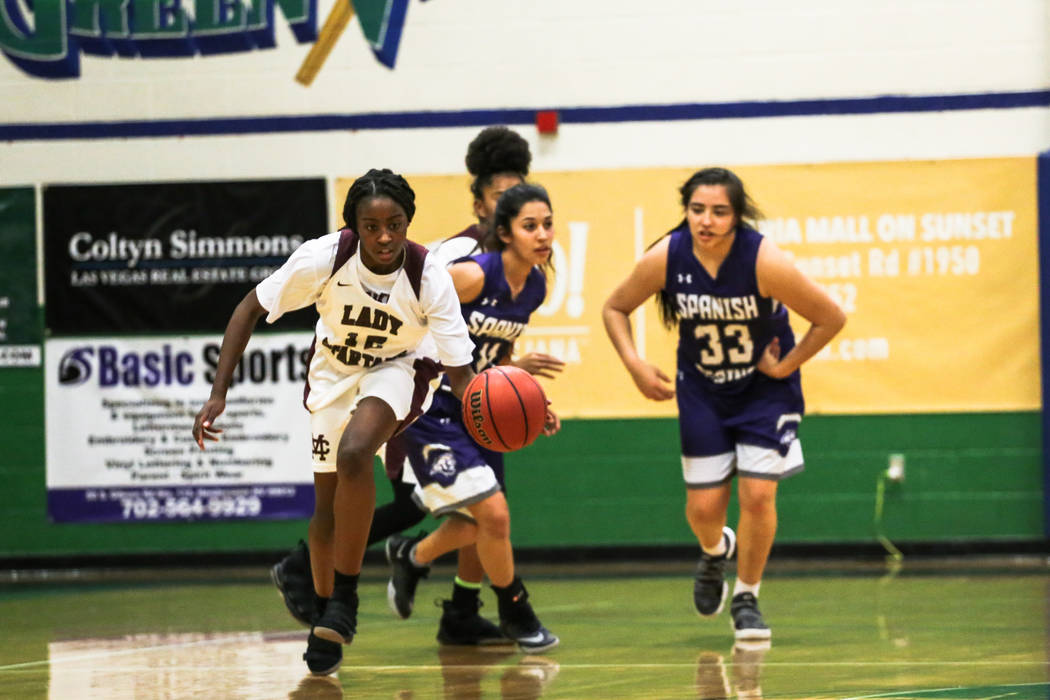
935 264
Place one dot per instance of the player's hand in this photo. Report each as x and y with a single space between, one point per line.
652 382
551 422
767 364
202 424
539 364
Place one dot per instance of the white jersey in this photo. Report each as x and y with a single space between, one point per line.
359 328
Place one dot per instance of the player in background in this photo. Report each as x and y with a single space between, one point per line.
457 478
498 158
738 384
378 296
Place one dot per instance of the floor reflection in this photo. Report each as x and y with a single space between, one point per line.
464 668
742 678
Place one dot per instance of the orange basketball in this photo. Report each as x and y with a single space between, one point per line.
504 408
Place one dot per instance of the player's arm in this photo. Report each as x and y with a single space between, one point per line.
234 340
445 319
645 280
468 278
458 378
780 279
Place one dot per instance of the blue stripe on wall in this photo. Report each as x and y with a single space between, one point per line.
887 104
1043 208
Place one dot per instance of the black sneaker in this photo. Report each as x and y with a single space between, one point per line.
710 589
338 623
747 620
295 582
401 590
519 623
467 627
322 656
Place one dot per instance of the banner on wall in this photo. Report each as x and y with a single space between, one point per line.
934 262
119 447
169 257
20 330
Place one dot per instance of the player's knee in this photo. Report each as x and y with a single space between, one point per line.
761 503
495 522
353 458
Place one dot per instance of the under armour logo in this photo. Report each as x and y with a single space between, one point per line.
686 278
488 301
321 447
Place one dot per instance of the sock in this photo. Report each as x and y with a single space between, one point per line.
718 550
509 595
412 557
465 594
319 604
345 585
741 587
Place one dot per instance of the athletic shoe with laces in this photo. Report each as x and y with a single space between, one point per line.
710 589
405 576
294 581
519 623
747 620
466 627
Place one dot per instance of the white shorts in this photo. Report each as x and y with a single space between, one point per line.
471 486
747 461
399 383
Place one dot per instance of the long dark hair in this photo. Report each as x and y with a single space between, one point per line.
744 209
378 183
507 209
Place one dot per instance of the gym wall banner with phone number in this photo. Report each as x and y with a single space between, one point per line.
132 270
935 263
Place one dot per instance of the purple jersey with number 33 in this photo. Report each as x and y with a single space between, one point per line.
724 323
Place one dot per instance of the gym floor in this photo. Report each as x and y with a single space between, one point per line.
973 628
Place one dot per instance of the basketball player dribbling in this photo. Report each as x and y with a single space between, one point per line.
458 478
497 158
378 296
738 385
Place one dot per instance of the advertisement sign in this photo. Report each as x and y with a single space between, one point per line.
119 446
169 257
20 329
934 263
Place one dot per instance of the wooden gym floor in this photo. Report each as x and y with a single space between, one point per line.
934 629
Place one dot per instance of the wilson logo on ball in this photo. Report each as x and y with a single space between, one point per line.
504 408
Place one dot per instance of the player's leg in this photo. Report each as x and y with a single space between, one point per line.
518 621
708 466
402 512
304 580
410 558
768 451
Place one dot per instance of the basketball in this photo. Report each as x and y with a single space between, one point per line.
504 408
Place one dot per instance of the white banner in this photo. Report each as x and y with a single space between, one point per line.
118 420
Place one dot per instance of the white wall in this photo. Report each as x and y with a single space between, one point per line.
471 54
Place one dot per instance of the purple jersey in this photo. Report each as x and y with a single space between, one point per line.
724 324
437 444
494 318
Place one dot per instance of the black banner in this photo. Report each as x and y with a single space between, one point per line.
170 257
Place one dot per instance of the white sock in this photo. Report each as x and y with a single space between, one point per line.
741 587
412 556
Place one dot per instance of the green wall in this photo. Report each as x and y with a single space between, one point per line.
618 482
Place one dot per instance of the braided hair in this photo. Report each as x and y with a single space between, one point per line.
378 183
744 209
496 150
